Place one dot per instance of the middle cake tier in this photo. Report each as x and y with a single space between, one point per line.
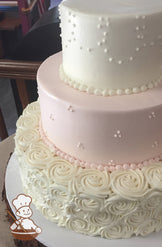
98 131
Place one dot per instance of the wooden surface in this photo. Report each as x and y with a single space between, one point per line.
18 69
21 71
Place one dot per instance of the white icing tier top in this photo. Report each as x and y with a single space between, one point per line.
112 47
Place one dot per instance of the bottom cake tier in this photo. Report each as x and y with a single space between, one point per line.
115 204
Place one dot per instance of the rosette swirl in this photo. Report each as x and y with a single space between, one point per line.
38 155
57 193
129 184
32 108
137 218
61 171
72 211
37 181
49 213
90 205
147 227
26 122
103 219
153 201
122 207
81 226
25 138
153 175
91 182
117 231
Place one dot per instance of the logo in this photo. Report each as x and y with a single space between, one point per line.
23 228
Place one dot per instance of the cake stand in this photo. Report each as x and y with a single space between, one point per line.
54 236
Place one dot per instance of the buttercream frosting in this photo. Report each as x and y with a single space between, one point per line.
115 204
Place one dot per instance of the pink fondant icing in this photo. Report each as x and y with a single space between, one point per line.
100 167
114 128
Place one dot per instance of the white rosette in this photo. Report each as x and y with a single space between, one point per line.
116 231
82 226
153 175
32 108
72 211
147 227
129 184
102 219
57 193
38 155
61 171
153 202
121 207
26 122
24 138
49 213
37 183
89 204
137 218
91 182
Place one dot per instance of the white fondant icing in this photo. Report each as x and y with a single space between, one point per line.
123 32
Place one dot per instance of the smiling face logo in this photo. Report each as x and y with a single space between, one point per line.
23 228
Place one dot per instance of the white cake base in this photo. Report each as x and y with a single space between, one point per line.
54 236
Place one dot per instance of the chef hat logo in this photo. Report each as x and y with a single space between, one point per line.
21 201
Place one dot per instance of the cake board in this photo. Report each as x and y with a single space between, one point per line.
54 236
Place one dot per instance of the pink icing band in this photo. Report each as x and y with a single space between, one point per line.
100 167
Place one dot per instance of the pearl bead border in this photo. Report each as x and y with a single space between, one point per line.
106 92
101 167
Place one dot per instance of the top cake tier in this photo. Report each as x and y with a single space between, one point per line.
111 47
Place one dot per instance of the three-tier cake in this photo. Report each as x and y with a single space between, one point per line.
90 149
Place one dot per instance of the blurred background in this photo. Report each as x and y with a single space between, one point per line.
29 31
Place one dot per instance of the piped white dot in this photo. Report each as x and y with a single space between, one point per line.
105 33
70 108
80 145
101 18
52 117
118 134
99 43
120 62
99 26
152 115
110 59
155 144
104 41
